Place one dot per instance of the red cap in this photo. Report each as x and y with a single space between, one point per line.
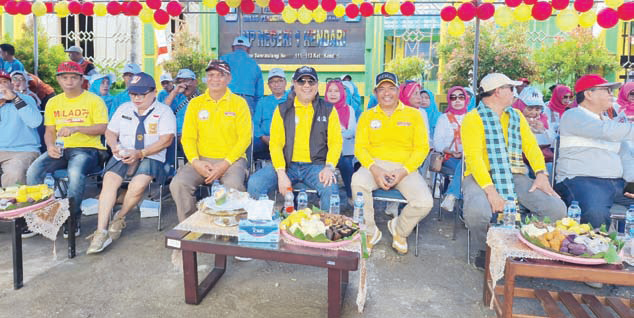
69 67
593 80
4 74
525 80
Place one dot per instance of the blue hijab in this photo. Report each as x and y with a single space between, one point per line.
472 100
432 111
108 99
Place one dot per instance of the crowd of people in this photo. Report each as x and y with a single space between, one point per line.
504 135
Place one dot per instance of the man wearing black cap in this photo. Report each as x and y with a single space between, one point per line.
305 142
139 134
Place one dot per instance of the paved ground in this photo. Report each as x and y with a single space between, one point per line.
134 277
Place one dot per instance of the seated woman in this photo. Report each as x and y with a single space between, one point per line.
626 101
19 80
428 103
561 100
100 85
447 140
336 95
138 134
531 104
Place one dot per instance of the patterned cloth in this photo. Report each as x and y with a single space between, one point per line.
504 159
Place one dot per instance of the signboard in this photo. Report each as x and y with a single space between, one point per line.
336 41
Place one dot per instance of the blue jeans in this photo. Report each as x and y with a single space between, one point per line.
260 150
77 161
265 180
454 165
251 101
346 169
595 197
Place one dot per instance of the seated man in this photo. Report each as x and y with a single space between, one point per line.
264 113
167 82
77 118
138 134
216 134
494 135
123 97
589 168
391 144
182 93
305 142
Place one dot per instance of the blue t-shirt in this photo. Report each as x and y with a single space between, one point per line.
246 75
14 65
19 126
264 114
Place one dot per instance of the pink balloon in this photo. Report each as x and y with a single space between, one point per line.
485 11
607 18
542 10
448 13
466 11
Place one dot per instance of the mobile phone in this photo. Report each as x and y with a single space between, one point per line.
629 187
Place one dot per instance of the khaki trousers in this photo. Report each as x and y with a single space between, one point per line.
13 166
412 187
187 180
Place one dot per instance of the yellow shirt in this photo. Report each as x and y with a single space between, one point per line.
475 151
217 129
301 146
401 137
84 110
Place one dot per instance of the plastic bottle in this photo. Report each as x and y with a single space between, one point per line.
510 213
49 181
574 211
214 187
59 143
334 200
288 201
357 215
629 232
302 200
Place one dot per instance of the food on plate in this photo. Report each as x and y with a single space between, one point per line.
309 226
22 196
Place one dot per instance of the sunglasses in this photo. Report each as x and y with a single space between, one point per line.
631 93
303 81
567 97
608 89
453 98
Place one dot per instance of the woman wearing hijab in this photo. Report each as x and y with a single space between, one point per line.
447 140
20 80
100 85
336 95
430 107
625 101
561 100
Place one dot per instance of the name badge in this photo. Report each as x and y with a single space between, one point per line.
203 114
230 114
375 124
126 117
403 123
153 128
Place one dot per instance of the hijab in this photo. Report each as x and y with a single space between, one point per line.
626 105
406 90
342 108
555 103
432 111
95 86
467 100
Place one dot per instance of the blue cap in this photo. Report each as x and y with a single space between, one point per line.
141 83
131 68
166 77
276 72
186 73
242 40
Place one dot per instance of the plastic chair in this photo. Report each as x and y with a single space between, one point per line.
394 195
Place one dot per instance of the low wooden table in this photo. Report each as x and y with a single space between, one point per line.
338 263
574 303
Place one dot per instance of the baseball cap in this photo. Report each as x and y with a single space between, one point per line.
4 74
111 78
593 80
305 71
69 67
495 80
343 77
532 96
524 80
74 48
218 65
166 77
276 72
23 73
131 68
385 77
185 73
141 83
241 40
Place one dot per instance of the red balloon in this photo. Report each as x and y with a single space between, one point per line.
530 2
311 4
153 4
174 8
11 8
626 11
607 18
366 9
583 5
295 4
276 6
328 5
24 7
74 7
113 8
485 11
542 10
560 4
49 7
448 13
3 2
408 8
88 8
352 11
124 8
466 11
247 6
383 12
161 17
222 8
512 3
134 7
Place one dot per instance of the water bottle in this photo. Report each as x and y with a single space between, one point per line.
574 211
510 213
302 200
263 197
629 231
214 187
334 200
59 143
357 215
49 181
288 201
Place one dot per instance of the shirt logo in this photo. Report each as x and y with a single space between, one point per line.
403 123
135 79
231 114
321 119
153 128
375 124
203 114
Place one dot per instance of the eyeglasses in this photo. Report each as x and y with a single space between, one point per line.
138 96
453 98
567 97
608 89
303 81
631 93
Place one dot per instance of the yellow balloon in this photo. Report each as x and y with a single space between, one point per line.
613 3
357 2
503 16
304 15
377 8
210 3
289 15
339 11
567 20
159 26
1 9
146 15
456 27
522 13
587 19
392 7
61 9
38 8
320 15
100 9
489 1
262 3
233 3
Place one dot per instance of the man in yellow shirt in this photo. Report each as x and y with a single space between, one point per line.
305 142
494 136
391 144
216 134
75 121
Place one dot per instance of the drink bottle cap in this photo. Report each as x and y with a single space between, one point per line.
574 202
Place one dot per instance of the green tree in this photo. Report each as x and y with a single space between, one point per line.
408 68
185 54
501 50
569 58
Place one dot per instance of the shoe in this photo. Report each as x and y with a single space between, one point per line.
116 226
594 285
399 243
392 209
448 203
374 238
26 233
77 231
480 260
100 240
243 259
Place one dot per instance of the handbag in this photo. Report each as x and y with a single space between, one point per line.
435 161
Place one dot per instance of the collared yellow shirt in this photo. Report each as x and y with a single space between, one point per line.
401 137
475 150
301 147
219 129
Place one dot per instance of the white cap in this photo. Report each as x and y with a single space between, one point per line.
276 72
532 96
241 40
75 48
166 77
495 80
93 78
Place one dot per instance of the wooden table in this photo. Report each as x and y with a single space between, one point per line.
338 263
574 303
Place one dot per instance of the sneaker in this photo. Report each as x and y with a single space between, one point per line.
392 209
243 259
399 243
26 233
374 238
448 203
480 260
100 240
116 226
77 231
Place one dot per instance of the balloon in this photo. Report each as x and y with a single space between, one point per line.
101 10
542 11
222 8
503 16
626 11
289 15
567 20
311 4
560 4
366 9
583 5
61 8
247 6
456 28
113 8
3 2
613 3
146 15
392 7
328 5
408 8
530 2
161 17
12 8
134 8
233 3
339 11
304 16
587 19
320 15
522 13
485 11
88 8
38 8
261 3
50 6
352 11
512 3
466 11
295 4
448 13
276 6
24 7
74 7
607 18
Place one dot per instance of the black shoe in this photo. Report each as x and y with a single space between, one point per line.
77 231
480 260
26 233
